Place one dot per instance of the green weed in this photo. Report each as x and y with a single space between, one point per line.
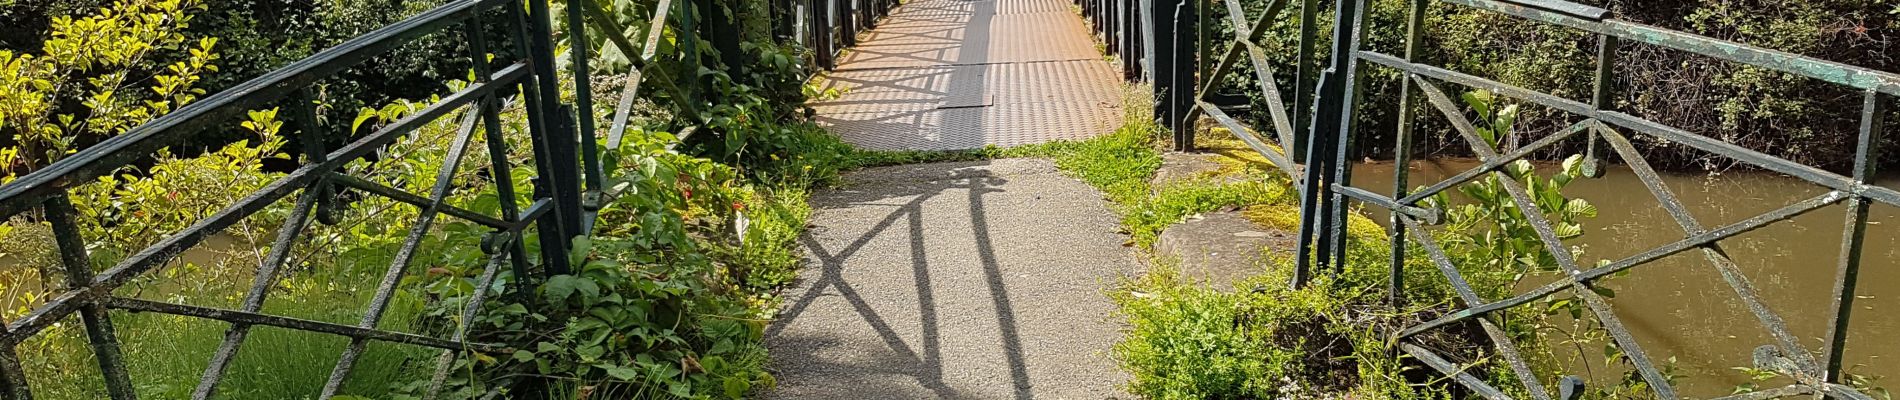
1172 204
1118 163
1261 339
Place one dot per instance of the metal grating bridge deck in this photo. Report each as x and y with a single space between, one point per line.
965 74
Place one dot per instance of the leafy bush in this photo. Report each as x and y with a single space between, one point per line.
1264 339
73 92
669 297
633 330
1190 342
667 258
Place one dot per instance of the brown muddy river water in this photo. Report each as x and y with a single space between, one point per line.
1680 307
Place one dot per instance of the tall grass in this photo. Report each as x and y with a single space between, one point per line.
166 354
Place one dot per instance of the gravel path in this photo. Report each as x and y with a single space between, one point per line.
975 280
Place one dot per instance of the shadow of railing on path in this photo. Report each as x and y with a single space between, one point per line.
924 364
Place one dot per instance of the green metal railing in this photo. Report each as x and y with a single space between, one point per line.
1324 172
567 194
91 296
1814 371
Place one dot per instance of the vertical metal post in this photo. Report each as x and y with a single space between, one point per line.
781 20
1089 16
1092 11
820 25
12 375
1161 59
1311 189
1402 150
1181 86
1204 39
1146 11
847 22
1603 99
1867 154
558 178
688 35
1112 19
578 47
1321 225
1303 73
490 107
97 319
1129 52
1345 80
724 33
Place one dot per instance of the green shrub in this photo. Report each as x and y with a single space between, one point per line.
73 90
1189 342
1262 339
630 322
670 296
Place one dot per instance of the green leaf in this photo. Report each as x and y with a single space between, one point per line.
589 353
1573 165
361 117
622 373
1505 119
737 387
582 246
681 389
1479 100
1557 305
1580 208
560 287
589 290
1520 168
524 355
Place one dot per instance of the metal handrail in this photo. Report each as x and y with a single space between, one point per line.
91 297
1319 130
560 209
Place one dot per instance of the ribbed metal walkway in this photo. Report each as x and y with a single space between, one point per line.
963 74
